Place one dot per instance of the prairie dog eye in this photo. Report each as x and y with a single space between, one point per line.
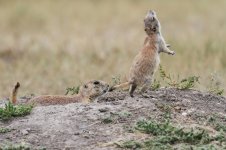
96 82
85 86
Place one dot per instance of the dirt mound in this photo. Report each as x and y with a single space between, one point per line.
111 118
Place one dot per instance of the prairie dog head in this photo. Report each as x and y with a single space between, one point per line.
93 89
151 23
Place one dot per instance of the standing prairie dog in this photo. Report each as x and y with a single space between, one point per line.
147 60
87 93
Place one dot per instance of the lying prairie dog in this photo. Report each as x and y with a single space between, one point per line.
87 93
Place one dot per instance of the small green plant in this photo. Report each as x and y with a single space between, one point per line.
4 130
166 133
21 146
116 80
155 145
183 84
73 90
130 144
216 124
154 128
188 83
199 147
155 85
107 120
167 77
215 85
220 127
10 111
166 136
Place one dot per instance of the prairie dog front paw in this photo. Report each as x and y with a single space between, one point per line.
171 53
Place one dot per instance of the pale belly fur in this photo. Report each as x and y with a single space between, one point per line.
143 69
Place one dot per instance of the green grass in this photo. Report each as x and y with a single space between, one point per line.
164 135
183 84
216 124
21 146
73 90
155 85
107 120
4 130
11 111
215 86
170 134
130 145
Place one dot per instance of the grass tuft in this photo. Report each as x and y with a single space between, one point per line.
215 85
21 146
130 145
73 90
169 134
155 85
107 120
10 111
186 83
166 136
216 124
4 130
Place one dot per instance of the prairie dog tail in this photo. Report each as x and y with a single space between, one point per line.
14 93
123 85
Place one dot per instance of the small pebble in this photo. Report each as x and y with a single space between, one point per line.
25 131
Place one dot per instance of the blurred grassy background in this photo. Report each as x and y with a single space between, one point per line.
48 45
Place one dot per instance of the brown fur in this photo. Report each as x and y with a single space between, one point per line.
87 93
147 60
14 93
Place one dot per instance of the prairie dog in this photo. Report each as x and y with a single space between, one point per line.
87 93
147 60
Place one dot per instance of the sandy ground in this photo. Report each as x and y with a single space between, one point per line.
79 126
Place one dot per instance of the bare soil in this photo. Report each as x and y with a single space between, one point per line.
99 125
